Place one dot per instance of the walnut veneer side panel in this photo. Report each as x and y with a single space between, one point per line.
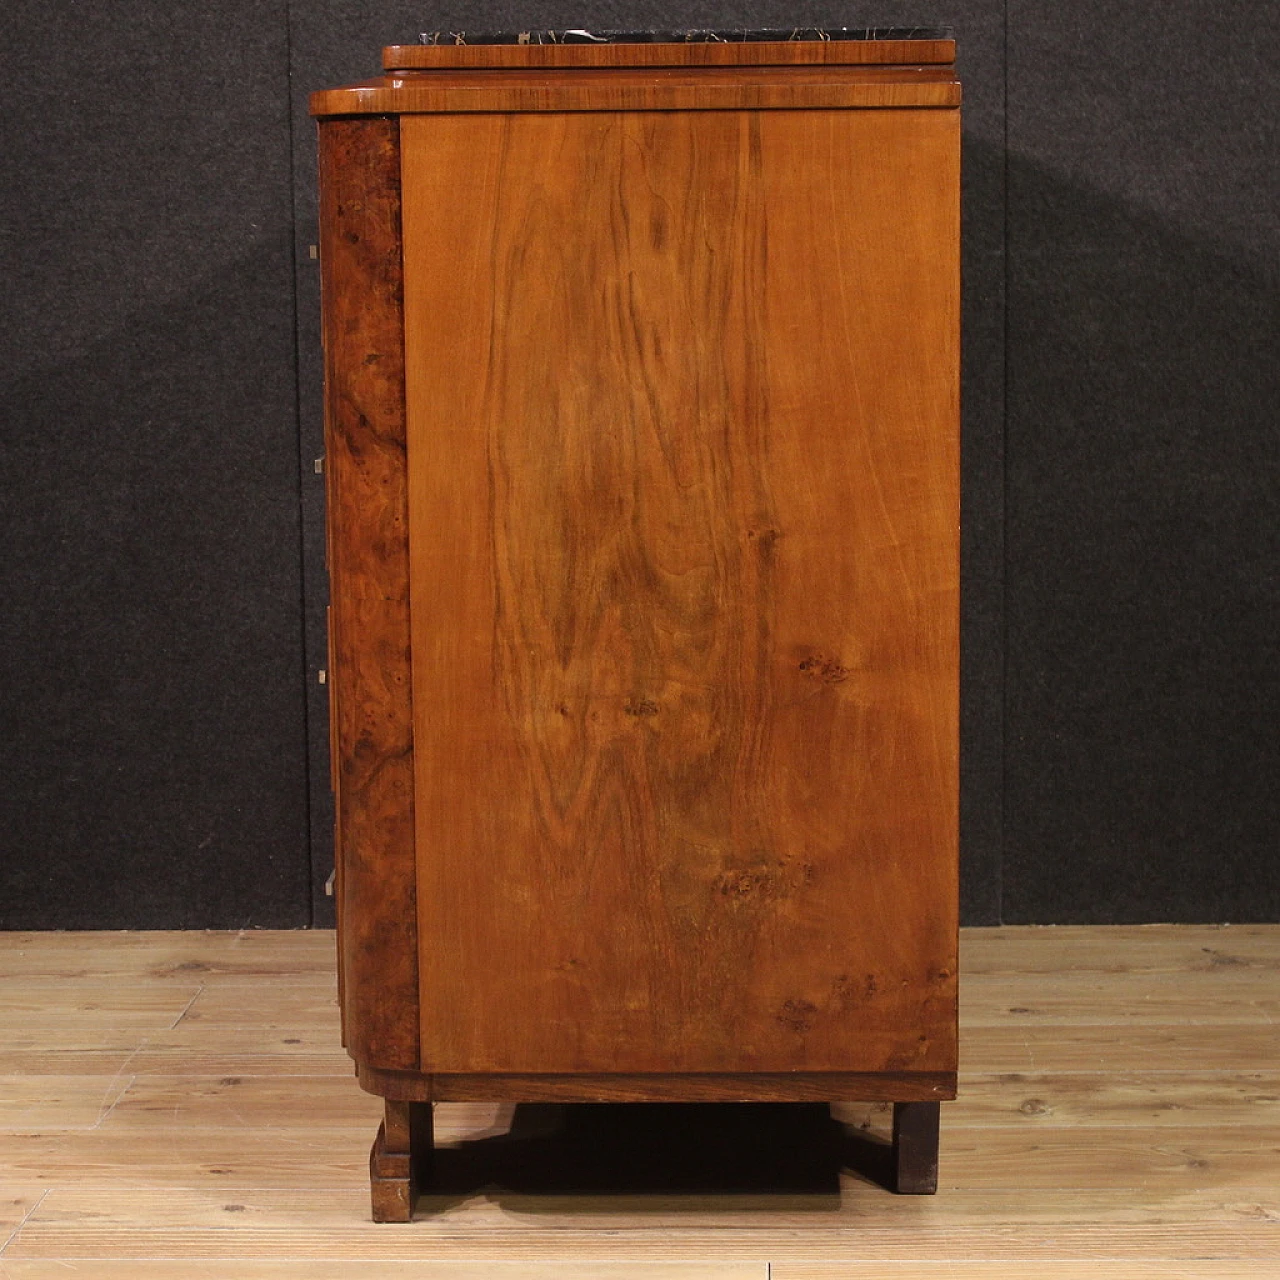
368 549
682 419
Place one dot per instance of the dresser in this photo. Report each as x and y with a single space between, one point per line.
642 456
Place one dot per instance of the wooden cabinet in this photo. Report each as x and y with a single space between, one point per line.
642 455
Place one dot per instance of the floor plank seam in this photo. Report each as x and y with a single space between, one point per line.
187 1007
103 1114
26 1217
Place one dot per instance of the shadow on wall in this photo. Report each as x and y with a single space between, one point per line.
1143 551
154 754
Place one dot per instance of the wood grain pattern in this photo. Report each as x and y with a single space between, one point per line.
1098 1268
1233 1164
79 1224
762 53
368 573
656 89
424 1269
1143 948
192 1094
682 424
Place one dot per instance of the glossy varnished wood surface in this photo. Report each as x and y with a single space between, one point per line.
682 422
762 53
368 553
176 1106
644 89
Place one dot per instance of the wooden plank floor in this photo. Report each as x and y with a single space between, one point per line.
176 1105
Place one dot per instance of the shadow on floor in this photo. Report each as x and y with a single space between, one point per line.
699 1149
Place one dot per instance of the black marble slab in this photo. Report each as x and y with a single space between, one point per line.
688 36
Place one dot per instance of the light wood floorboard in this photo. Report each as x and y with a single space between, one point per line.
177 1105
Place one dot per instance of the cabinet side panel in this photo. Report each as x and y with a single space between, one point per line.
683 412
368 546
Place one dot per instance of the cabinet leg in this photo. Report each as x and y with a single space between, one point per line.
400 1162
915 1148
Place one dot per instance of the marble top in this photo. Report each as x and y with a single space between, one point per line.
689 36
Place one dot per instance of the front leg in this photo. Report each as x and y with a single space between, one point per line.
915 1148
400 1162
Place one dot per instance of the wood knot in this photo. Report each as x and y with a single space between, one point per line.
797 1015
766 879
850 993
739 884
825 669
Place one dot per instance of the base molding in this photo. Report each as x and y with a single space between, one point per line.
833 1086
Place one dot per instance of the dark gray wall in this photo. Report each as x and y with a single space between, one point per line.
154 755
1143 466
166 734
